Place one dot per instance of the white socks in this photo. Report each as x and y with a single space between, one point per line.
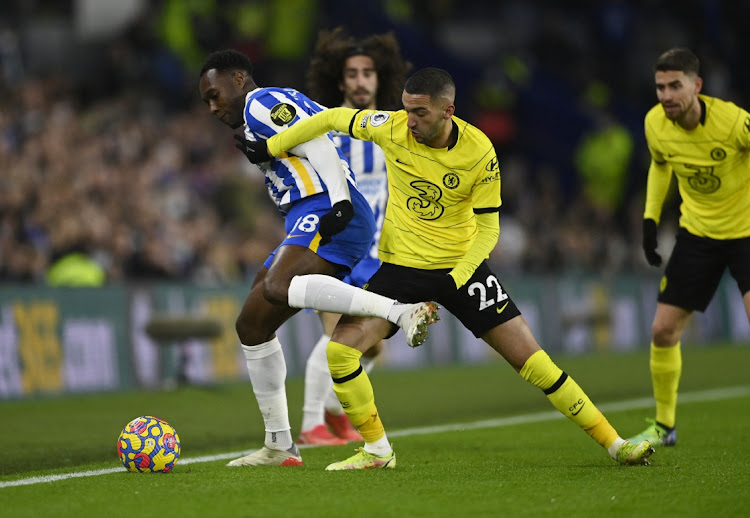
267 370
326 293
380 447
612 450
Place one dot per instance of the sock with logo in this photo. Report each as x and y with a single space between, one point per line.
332 404
666 368
354 390
566 396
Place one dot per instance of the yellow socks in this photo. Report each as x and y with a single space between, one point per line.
666 368
568 397
354 390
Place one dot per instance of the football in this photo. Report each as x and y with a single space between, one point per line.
148 444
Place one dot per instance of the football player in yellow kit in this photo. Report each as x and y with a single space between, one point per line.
705 143
441 223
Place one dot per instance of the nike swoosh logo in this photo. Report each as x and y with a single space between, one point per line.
294 235
401 162
500 310
579 410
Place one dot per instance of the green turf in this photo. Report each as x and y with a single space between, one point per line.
549 468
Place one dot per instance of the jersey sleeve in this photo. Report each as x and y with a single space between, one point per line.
742 131
268 114
486 193
486 204
334 119
322 155
369 124
659 176
488 232
657 186
652 142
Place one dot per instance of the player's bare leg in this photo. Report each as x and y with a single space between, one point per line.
262 314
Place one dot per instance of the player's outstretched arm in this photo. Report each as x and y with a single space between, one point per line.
334 119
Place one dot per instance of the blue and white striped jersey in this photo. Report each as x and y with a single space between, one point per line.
367 162
288 178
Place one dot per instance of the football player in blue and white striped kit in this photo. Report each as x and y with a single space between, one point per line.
329 227
363 73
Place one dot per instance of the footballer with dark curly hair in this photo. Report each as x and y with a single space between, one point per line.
334 68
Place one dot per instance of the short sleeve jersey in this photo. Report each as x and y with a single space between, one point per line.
288 178
711 164
434 194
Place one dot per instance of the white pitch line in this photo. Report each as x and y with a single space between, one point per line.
62 476
619 406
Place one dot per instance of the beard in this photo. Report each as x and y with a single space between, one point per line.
361 99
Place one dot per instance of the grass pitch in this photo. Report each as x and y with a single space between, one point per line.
487 444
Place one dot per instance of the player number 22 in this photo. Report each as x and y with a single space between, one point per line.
477 288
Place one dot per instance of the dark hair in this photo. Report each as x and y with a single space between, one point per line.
228 59
331 52
431 81
678 58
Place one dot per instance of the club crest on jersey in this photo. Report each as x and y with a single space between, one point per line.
450 180
282 114
379 118
718 153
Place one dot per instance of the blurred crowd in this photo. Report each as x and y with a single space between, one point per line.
146 195
107 155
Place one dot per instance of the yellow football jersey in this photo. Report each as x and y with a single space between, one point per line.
712 167
433 194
